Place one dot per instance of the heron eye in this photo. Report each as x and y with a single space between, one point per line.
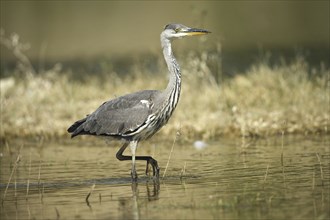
177 30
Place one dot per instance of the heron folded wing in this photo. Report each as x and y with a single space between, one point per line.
121 115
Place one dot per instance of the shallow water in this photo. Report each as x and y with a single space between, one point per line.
228 179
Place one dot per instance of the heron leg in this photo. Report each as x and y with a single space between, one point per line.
122 157
133 146
152 162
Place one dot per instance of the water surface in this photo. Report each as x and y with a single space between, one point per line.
278 178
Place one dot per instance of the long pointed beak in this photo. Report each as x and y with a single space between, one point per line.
195 31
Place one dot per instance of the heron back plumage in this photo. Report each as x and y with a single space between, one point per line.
119 117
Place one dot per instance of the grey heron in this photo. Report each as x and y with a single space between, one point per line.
138 116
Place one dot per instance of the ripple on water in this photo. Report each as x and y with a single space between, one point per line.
261 179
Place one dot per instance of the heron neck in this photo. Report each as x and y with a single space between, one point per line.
174 83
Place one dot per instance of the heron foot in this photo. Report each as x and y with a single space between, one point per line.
134 175
155 167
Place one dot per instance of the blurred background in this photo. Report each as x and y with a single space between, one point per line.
72 32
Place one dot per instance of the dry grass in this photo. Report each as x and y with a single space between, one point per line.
264 101
288 98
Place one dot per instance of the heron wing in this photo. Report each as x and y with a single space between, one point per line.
118 116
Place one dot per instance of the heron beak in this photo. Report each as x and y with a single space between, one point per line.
195 31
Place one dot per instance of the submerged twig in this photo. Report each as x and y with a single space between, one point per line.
321 170
28 180
42 193
11 175
266 174
282 144
15 185
169 157
57 213
183 171
282 157
313 181
39 174
89 194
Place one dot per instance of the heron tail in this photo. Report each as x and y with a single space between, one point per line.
76 128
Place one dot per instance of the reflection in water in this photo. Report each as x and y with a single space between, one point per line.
130 206
135 208
259 179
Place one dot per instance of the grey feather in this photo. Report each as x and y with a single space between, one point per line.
119 116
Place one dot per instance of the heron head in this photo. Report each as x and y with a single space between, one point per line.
180 30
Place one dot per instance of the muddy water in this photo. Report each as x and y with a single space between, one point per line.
228 179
